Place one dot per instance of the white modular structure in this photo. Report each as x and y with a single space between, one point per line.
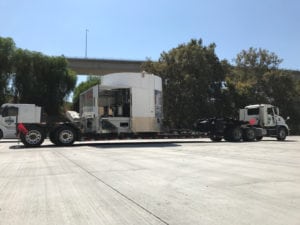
123 103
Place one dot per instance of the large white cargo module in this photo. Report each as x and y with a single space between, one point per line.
125 103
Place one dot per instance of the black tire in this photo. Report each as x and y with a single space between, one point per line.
233 134
215 138
249 134
236 134
34 138
1 134
281 134
227 135
259 138
65 136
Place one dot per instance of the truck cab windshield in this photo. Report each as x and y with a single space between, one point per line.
9 111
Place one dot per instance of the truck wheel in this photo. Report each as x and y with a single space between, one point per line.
233 134
259 138
236 134
281 134
65 136
215 138
227 135
249 134
34 138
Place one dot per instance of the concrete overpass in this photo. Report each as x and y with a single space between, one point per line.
103 66
89 66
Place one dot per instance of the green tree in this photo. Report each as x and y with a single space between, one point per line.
42 80
91 81
246 80
259 60
192 82
7 48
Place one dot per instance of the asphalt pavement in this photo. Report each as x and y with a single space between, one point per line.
141 182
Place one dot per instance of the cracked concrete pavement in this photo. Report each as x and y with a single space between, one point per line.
173 182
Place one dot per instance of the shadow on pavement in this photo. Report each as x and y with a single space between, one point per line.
99 145
9 141
135 144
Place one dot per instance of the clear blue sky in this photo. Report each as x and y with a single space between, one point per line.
136 29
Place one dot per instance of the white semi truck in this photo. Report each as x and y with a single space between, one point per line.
11 114
254 122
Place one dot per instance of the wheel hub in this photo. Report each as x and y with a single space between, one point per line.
66 136
33 137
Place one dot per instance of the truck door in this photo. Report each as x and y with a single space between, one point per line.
270 117
9 120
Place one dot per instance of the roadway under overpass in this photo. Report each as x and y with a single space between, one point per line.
88 66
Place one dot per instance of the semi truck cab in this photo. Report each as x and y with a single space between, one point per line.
265 116
11 114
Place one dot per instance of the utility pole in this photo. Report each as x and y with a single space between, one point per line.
86 31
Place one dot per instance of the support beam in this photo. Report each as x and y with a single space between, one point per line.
103 66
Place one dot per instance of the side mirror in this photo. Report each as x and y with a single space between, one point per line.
287 118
